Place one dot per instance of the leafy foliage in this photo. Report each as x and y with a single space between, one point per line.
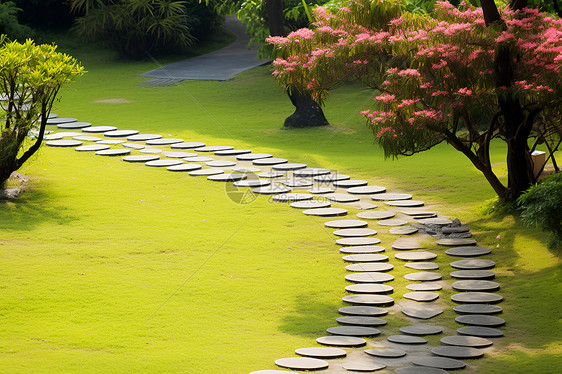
9 24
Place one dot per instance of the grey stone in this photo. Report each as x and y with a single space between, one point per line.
341 341
120 133
134 146
423 276
363 190
244 169
91 147
286 197
421 296
424 216
477 309
405 230
473 274
365 257
369 288
468 251
141 158
150 150
331 178
289 166
466 341
476 298
421 311
415 256
422 265
321 190
376 214
220 163
368 299
415 212
301 363
60 135
63 143
297 183
230 177
111 141
369 277
325 212
311 172
476 285
321 352
143 137
370 266
346 224
99 129
233 152
272 174
456 241
355 232
406 339
480 320
198 159
391 196
404 203
74 125
483 332
473 264
187 145
113 152
406 244
454 230
361 321
57 120
213 148
310 204
253 156
386 352
425 286
341 197
178 154
205 172
364 206
419 370
392 222
437 221
350 183
369 311
269 161
362 365
438 362
252 183
163 163
184 167
457 352
461 235
353 331
362 249
272 189
421 329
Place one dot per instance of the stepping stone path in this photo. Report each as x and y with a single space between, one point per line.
370 270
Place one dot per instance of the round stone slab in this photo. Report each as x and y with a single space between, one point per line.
406 339
350 183
480 320
272 189
272 174
406 244
150 150
213 148
252 156
476 285
366 366
57 120
346 224
355 232
362 249
476 298
422 265
289 166
74 125
370 266
91 147
198 159
331 178
421 296
113 152
99 129
244 169
473 264
369 288
364 206
391 196
426 286
392 222
456 241
365 257
369 277
466 341
270 161
301 363
457 352
120 133
361 321
405 230
353 331
341 197
341 341
473 274
221 164
141 158
404 203
59 135
468 251
163 163
310 204
437 221
178 154
233 152
477 309
325 212
368 311
386 352
205 172
231 177
187 145
286 197
358 241
321 190
421 311
184 167
421 330
438 362
415 256
134 146
143 137
423 276
311 172
63 143
377 300
365 190
300 183
321 352
419 370
252 183
111 141
483 332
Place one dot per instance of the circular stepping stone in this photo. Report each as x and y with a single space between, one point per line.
370 266
364 206
272 189
57 120
353 331
350 183
457 352
426 286
321 190
99 129
391 196
421 311
205 172
270 161
321 352
477 309
419 370
437 221
415 212
311 172
63 143
415 256
87 138
91 147
456 241
134 146
341 341
376 214
404 203
273 174
289 166
355 232
468 251
120 133
184 167
301 363
325 212
231 177
362 249
421 330
386 352
74 125
438 362
113 152
405 230
406 339
365 257
284 198
364 366
141 158
269 372
369 311
111 141
392 222
473 264
178 154
476 285
60 135
358 241
473 274
479 331
252 183
198 159
220 164
341 197
406 244
422 265
244 169
253 156
187 145
365 190
476 298
310 204
423 276
163 163
330 178
421 217
421 296
150 150
466 341
378 300
361 321
213 148
369 277
233 152
143 137
346 224
299 183
369 288
480 320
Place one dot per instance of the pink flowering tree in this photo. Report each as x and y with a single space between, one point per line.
463 75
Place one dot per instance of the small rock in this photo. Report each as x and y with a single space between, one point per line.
456 223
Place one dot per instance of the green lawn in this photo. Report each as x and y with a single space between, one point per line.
111 267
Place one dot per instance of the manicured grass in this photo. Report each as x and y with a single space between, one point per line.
113 267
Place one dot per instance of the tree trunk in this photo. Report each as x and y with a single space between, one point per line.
307 112
275 17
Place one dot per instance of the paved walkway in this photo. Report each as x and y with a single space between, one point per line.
219 65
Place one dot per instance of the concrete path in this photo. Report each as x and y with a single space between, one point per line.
219 65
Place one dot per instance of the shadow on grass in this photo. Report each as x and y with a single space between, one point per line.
311 317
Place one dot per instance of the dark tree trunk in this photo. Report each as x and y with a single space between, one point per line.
275 17
307 112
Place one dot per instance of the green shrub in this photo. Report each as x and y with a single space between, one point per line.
9 22
541 206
